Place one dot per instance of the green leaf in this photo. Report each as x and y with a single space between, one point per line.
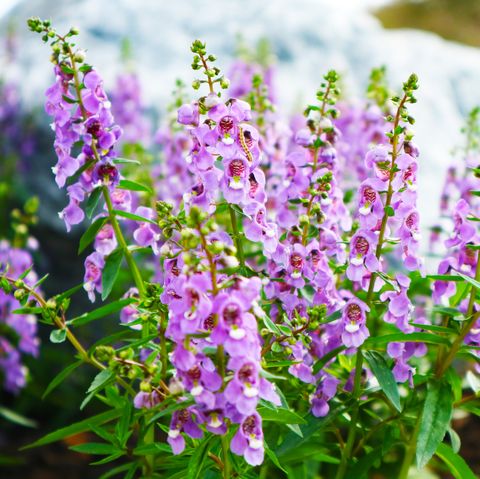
110 271
133 186
108 459
66 294
308 292
16 418
76 428
437 412
131 216
327 357
100 380
434 328
99 448
444 277
58 335
470 280
197 460
73 179
27 310
314 425
455 463
101 312
279 414
25 273
406 338
270 325
389 211
125 161
384 376
150 449
174 407
92 201
91 232
273 457
60 377
455 440
452 312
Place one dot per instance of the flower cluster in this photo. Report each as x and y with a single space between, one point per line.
268 254
18 331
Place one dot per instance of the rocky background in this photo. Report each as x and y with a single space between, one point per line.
307 36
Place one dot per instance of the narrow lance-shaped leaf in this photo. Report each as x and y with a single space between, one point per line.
91 232
437 412
78 427
133 186
92 202
455 463
384 376
60 377
101 312
110 271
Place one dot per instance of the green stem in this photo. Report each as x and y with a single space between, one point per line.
468 325
410 452
149 437
60 323
220 350
137 277
226 463
378 253
237 236
352 431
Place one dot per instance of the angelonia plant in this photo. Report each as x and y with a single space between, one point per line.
275 315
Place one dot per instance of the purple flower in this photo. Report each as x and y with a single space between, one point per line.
92 280
325 391
146 400
188 114
105 241
182 421
235 182
248 440
354 323
370 205
362 255
247 387
258 229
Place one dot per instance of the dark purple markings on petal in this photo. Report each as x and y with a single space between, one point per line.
354 313
369 194
209 322
315 257
107 172
259 217
291 170
361 245
249 426
412 220
296 260
182 417
246 373
198 189
175 270
226 124
231 314
194 296
194 373
408 173
236 168
94 128
253 185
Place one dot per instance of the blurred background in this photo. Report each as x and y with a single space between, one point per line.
437 39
